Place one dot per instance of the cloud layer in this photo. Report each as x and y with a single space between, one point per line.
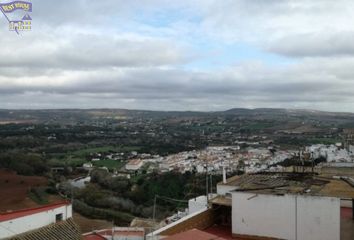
185 55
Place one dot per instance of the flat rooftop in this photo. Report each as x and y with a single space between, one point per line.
222 200
291 183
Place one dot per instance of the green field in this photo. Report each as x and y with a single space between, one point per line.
79 157
324 140
110 164
259 126
86 151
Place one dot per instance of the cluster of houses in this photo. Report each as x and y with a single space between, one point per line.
214 159
300 205
335 154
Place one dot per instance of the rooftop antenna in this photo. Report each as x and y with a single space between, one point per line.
72 194
211 185
224 174
313 163
206 182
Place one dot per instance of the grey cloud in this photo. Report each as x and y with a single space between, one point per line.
290 85
98 12
291 28
93 51
314 45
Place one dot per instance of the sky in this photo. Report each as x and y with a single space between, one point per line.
203 55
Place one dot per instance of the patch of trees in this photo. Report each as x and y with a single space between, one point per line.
141 190
95 197
119 218
24 164
295 162
136 195
117 184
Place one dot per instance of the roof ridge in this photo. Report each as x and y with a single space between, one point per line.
22 212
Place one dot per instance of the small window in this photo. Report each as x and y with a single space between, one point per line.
59 217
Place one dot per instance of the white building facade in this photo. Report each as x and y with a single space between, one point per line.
293 217
197 204
22 221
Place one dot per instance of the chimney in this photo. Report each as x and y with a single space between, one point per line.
223 175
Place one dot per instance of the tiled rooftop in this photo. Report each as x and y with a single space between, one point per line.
65 230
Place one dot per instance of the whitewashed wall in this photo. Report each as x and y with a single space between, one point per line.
318 218
264 215
197 204
286 217
27 223
346 203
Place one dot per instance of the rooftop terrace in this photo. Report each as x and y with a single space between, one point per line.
292 183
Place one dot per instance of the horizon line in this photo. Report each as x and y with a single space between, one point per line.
152 110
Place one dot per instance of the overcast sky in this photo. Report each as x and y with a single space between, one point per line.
181 55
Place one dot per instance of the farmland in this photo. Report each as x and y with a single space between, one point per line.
15 188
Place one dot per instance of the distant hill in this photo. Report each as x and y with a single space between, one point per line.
72 116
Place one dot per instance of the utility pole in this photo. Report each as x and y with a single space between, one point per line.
112 229
302 160
154 210
353 209
194 183
153 217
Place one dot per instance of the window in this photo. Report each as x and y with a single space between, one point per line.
59 217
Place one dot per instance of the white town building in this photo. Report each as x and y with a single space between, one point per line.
197 204
285 216
134 165
294 206
22 221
